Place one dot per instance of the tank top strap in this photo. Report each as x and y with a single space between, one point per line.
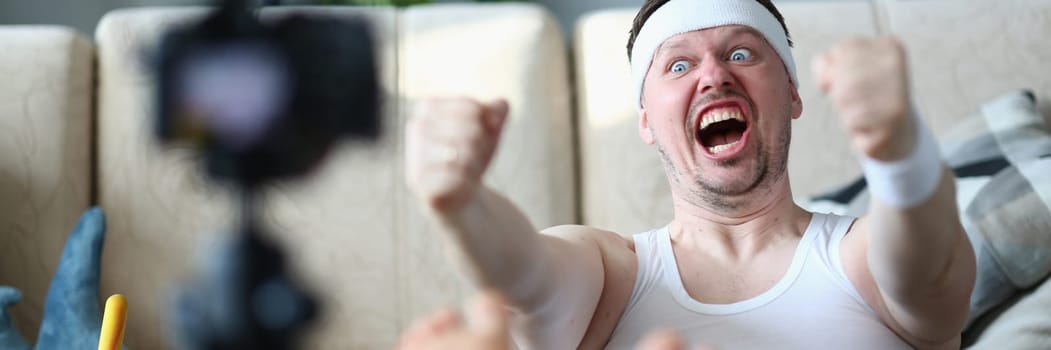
827 249
647 252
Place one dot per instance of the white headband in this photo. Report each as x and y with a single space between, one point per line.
681 16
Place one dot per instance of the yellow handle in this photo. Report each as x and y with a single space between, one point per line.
113 323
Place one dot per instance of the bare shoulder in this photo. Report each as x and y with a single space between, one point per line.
606 240
620 266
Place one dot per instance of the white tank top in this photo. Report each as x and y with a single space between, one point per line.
814 306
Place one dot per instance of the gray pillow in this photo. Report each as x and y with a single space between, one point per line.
1001 157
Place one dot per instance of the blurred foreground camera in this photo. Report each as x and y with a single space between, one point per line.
266 102
261 103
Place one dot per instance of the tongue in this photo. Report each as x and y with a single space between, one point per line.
722 138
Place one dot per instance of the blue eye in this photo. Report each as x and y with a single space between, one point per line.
679 66
740 54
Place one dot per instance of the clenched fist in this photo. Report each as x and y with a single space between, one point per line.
867 82
449 144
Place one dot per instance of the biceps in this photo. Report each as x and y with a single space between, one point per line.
928 320
571 278
939 312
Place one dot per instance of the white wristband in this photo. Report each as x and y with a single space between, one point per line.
907 182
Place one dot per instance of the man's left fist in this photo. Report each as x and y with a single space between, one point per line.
867 82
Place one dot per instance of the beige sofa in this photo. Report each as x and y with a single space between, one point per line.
353 232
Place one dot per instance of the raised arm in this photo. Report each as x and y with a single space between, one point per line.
909 257
555 281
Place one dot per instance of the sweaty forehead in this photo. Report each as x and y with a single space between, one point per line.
714 35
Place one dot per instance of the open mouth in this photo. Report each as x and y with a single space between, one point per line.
721 129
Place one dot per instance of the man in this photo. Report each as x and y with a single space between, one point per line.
740 265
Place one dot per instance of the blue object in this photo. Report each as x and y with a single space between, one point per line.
9 337
72 314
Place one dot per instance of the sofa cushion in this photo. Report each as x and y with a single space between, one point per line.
45 155
962 54
1022 324
513 51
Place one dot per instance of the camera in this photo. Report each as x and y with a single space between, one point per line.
261 102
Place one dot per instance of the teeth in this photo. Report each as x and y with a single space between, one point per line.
720 115
720 148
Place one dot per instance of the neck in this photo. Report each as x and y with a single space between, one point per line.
744 231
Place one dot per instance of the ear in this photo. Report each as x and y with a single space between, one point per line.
644 127
797 103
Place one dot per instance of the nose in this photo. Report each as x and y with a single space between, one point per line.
714 75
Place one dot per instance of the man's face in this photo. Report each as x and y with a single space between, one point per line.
718 104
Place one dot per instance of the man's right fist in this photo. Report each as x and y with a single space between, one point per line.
448 146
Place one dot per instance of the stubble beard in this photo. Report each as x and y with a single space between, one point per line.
769 168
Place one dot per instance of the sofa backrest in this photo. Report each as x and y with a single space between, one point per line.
964 53
45 156
960 55
353 233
